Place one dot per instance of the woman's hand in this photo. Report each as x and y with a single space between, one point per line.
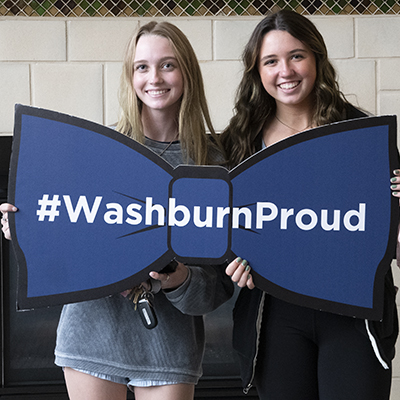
5 208
239 271
171 280
395 184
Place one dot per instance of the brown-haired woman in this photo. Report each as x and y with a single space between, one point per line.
288 351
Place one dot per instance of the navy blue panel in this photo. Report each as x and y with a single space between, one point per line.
325 208
199 218
313 214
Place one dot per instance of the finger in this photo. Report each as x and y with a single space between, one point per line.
396 178
4 218
235 265
6 231
245 276
396 194
231 268
241 271
146 285
250 284
159 277
4 222
155 275
395 183
395 187
7 207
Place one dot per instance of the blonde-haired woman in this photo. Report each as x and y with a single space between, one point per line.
103 345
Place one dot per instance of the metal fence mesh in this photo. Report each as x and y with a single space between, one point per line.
184 8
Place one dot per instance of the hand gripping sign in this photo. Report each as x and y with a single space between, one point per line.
313 214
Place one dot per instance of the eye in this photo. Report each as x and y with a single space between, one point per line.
140 67
269 62
168 66
298 56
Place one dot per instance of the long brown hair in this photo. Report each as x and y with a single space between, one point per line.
193 115
254 106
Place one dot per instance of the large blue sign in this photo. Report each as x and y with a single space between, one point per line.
313 214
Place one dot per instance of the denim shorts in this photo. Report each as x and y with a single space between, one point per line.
131 383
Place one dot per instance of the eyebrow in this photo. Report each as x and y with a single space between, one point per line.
290 52
161 60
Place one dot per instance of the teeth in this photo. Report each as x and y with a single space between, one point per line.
290 85
156 92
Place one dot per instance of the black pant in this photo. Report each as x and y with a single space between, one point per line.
312 355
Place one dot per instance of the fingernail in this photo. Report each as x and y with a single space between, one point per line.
393 186
248 276
396 171
247 268
393 179
244 263
238 260
395 193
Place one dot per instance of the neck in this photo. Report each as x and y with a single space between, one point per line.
159 125
286 122
296 119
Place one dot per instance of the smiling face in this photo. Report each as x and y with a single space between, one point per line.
287 68
157 78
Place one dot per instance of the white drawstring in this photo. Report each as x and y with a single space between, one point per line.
375 346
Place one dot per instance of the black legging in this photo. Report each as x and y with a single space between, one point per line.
312 355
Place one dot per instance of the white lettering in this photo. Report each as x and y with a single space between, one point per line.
285 214
336 220
269 217
114 216
360 215
313 219
90 214
173 209
247 214
149 212
208 222
180 215
221 212
137 217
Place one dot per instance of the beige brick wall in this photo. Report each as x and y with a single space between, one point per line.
73 66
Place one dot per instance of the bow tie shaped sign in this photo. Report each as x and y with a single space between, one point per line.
313 214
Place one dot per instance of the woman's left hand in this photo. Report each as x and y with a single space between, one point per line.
395 184
172 280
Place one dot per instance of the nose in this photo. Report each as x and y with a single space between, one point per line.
286 68
155 76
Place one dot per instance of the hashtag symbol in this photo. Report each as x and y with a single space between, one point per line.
48 208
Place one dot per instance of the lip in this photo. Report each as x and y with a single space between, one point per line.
156 92
289 86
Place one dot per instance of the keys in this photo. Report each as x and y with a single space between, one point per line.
135 294
142 301
146 310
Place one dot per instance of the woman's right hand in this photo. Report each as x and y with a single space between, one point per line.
239 271
5 208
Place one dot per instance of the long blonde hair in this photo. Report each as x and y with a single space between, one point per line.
193 114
